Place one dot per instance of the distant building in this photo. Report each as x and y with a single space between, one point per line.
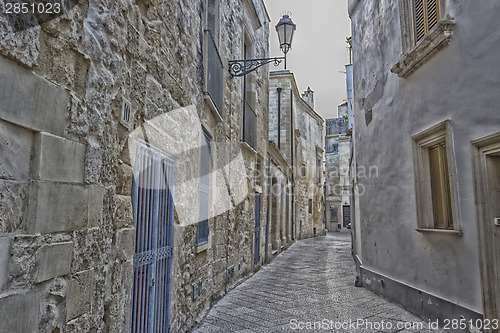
337 189
296 130
426 108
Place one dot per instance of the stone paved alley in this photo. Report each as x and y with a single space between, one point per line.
313 281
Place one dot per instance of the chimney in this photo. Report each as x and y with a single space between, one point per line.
308 96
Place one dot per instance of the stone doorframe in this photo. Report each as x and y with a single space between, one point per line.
482 149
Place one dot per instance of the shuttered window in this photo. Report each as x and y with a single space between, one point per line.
440 187
202 229
426 16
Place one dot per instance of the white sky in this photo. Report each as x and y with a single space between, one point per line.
319 51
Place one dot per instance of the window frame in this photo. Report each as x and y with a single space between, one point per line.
199 242
415 54
214 99
421 142
249 94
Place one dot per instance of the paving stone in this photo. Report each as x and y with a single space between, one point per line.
312 281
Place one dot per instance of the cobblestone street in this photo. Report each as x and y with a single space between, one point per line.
312 281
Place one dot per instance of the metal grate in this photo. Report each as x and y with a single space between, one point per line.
215 73
249 125
153 208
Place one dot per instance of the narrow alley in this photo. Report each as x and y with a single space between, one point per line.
312 282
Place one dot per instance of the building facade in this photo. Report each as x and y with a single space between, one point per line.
337 188
297 131
132 178
426 116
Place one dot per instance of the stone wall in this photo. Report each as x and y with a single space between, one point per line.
66 226
301 144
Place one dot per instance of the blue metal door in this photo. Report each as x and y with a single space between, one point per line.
256 251
153 205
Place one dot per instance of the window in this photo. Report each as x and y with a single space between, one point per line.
434 174
249 116
425 16
440 187
318 170
332 147
425 30
202 229
310 206
214 70
213 18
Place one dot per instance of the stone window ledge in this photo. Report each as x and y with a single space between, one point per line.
204 246
434 41
247 146
211 105
458 233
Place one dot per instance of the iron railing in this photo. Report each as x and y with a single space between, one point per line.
249 125
215 73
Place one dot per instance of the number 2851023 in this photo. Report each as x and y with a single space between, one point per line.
32 8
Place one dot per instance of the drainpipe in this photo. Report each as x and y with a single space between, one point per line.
268 204
279 117
292 147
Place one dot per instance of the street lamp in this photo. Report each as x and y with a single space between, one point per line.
285 29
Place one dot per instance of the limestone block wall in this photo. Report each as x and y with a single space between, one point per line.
66 226
286 113
332 181
344 178
301 130
309 136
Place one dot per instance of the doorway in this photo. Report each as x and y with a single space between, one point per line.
153 208
486 167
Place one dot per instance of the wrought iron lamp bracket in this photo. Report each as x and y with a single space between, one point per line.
243 67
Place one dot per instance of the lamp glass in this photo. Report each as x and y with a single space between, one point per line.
285 29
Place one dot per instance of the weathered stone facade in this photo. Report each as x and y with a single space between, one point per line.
411 98
337 180
75 96
282 227
297 131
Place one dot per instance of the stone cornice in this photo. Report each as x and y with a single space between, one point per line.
437 39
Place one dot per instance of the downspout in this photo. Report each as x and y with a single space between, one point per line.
292 147
268 204
279 117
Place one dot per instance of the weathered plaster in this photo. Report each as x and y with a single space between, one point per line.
447 86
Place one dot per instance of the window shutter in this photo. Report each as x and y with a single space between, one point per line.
441 198
419 19
432 13
426 16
